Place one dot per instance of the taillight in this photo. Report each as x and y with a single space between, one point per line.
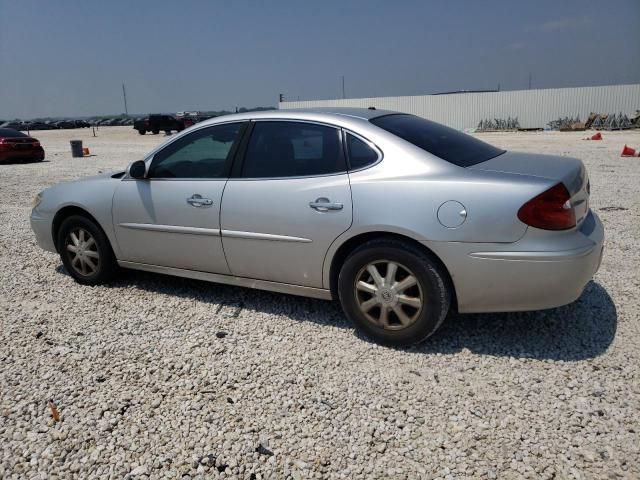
551 210
36 144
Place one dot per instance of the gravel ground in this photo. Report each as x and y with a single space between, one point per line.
163 377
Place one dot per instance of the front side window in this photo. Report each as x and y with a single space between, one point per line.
361 154
292 149
446 143
204 153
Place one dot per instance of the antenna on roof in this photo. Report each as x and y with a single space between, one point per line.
371 108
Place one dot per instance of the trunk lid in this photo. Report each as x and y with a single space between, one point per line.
570 171
18 144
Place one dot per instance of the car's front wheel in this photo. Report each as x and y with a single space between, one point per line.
142 132
85 251
394 292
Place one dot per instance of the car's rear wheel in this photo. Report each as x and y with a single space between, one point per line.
393 292
155 132
85 251
142 132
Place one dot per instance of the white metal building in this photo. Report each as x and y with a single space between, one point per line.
534 108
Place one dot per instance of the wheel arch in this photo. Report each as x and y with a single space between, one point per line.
342 251
66 212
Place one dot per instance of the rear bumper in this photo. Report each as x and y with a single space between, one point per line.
41 227
36 154
540 271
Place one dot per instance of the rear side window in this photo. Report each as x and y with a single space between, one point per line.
446 143
361 154
292 149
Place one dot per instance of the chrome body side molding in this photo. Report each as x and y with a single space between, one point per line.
263 236
171 229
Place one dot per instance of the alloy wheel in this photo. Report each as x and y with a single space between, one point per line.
388 294
82 251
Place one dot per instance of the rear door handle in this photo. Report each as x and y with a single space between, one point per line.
323 204
197 200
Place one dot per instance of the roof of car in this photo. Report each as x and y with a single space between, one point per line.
11 132
303 113
364 113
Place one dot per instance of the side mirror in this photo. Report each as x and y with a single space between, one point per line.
137 169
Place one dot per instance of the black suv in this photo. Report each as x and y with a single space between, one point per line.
156 123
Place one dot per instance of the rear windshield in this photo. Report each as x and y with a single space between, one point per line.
10 133
446 143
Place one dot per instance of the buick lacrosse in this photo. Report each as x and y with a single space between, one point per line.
397 217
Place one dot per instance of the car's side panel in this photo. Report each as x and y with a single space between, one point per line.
542 270
155 223
270 232
231 280
93 195
490 202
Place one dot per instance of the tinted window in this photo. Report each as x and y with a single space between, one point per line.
444 142
360 153
201 154
10 133
292 149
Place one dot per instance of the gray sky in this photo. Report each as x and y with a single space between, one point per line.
69 58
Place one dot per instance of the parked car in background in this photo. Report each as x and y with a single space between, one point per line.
65 124
14 125
157 123
189 121
38 126
16 146
398 217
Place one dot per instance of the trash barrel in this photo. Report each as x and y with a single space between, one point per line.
76 148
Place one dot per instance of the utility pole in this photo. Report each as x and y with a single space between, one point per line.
124 96
343 94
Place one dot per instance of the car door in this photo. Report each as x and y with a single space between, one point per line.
171 217
288 200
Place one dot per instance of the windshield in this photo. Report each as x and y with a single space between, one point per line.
446 143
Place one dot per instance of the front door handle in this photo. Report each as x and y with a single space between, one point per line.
323 204
197 200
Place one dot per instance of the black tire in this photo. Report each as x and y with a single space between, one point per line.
155 132
106 266
432 287
142 132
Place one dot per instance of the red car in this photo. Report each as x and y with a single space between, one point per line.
17 146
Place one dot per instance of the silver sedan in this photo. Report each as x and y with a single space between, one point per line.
400 218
